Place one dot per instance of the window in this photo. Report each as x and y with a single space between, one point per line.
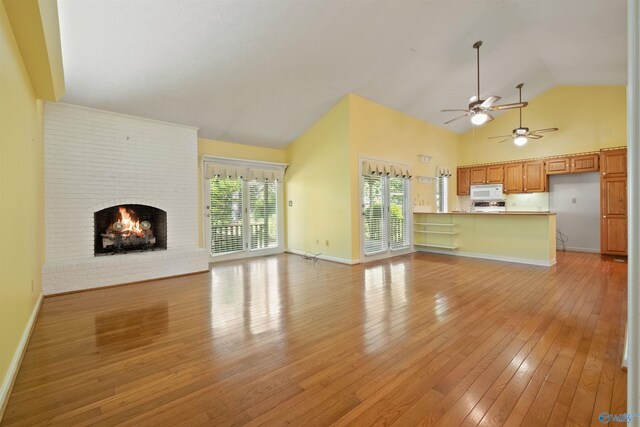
243 208
262 214
442 191
374 215
398 212
385 209
226 215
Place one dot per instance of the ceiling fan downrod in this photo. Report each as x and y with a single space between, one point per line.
476 46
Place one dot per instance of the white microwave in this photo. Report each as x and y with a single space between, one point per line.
487 192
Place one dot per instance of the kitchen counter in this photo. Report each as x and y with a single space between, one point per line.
495 213
522 237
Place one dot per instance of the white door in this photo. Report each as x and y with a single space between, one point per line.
243 217
385 215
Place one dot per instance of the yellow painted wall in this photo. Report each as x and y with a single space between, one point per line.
589 118
317 182
37 33
381 132
21 195
212 147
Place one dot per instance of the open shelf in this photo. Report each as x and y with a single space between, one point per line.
450 233
434 223
429 245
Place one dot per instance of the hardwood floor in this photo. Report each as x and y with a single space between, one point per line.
416 339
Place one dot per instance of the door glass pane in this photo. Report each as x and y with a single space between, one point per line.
374 217
226 215
263 214
398 192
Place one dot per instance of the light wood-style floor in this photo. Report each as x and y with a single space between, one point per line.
416 339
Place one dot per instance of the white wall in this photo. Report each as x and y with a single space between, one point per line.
96 159
576 200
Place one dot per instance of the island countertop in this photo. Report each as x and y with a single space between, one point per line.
491 213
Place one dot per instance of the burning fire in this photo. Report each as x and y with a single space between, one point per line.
129 224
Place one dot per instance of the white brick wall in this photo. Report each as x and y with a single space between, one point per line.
95 159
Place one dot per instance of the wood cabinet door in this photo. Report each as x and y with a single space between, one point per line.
613 225
513 178
463 181
613 237
495 174
558 166
613 163
478 175
533 177
586 163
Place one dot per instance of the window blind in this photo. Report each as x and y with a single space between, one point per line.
398 213
375 234
263 214
227 234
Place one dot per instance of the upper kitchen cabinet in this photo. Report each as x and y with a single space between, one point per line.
534 178
463 181
613 163
513 178
585 163
495 174
558 166
478 175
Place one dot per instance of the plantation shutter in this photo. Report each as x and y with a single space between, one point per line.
398 212
263 212
226 214
375 233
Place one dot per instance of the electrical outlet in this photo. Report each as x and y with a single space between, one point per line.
290 203
317 241
326 242
573 200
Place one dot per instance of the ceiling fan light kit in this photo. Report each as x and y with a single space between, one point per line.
479 109
479 119
520 140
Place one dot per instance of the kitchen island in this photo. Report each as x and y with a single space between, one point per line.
522 237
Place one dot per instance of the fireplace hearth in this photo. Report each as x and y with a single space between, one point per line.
129 228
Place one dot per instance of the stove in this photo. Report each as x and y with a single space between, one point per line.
488 206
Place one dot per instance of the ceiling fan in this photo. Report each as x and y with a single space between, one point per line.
479 109
521 135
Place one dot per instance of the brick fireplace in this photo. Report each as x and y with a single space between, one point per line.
97 162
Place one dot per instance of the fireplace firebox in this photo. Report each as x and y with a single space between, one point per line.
129 228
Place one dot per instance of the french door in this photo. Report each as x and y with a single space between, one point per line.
243 217
385 215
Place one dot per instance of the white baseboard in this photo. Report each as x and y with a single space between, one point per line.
326 257
14 366
572 249
491 257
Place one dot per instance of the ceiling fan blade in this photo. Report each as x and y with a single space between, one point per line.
534 136
490 117
459 110
456 118
489 101
509 106
506 139
501 136
545 130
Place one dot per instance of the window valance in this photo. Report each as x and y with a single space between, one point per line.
246 172
378 168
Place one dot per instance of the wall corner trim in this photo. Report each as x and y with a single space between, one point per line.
16 361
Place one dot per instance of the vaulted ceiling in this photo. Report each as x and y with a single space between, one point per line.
261 72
